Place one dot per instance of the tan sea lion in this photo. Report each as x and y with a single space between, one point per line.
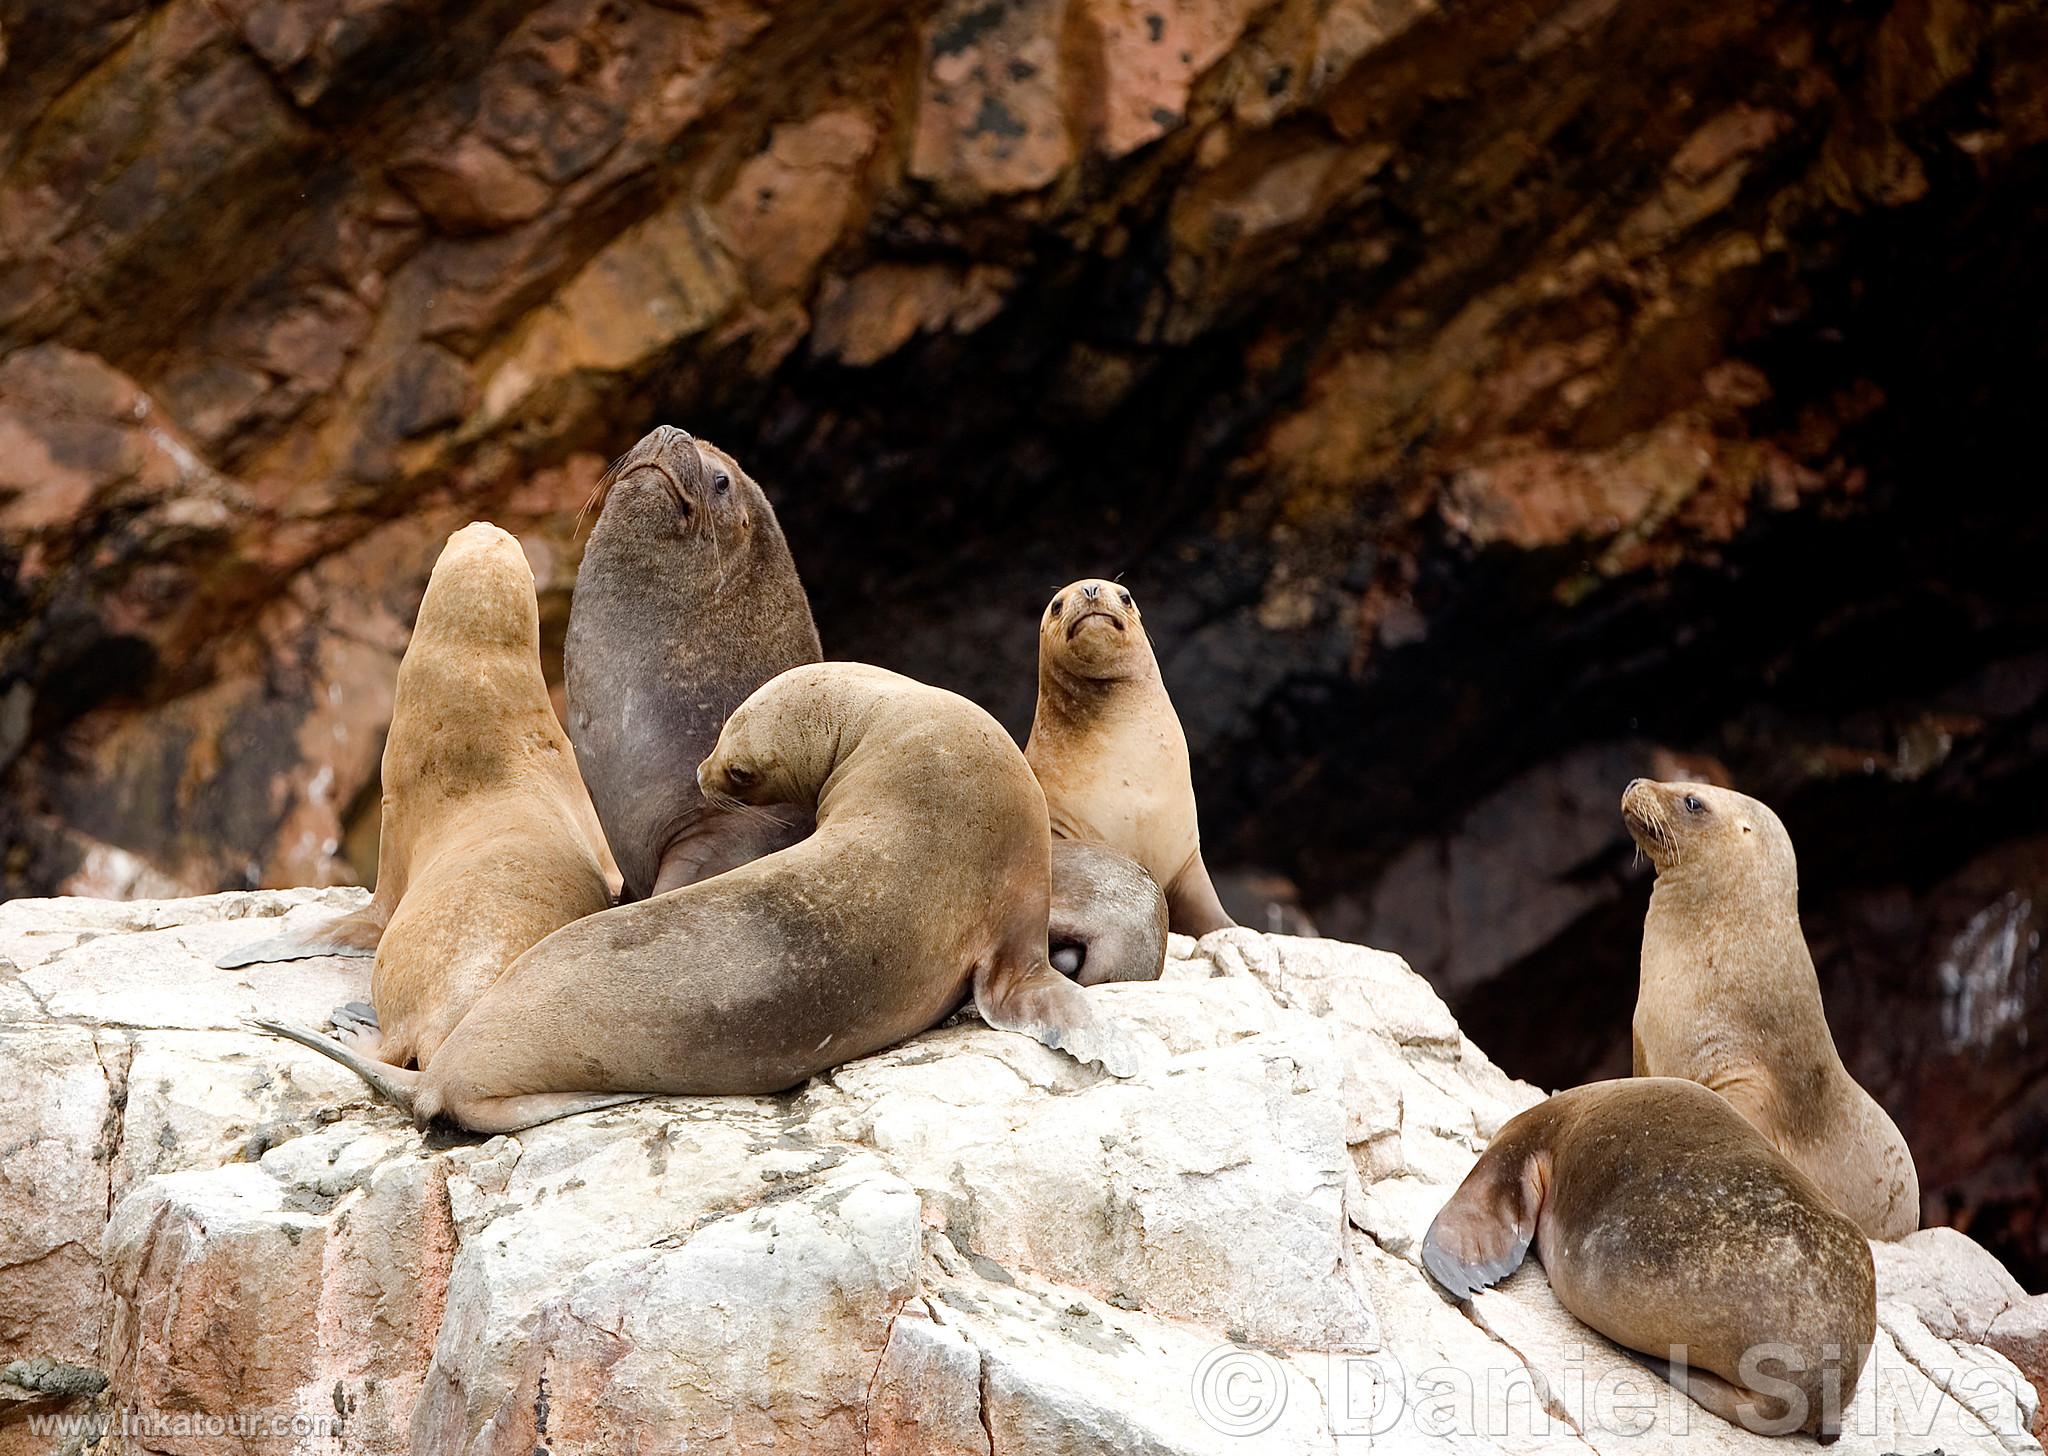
1729 998
687 600
1664 1221
1108 748
488 841
927 880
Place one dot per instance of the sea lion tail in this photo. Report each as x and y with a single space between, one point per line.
395 1085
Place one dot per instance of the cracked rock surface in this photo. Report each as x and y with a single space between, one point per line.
967 1244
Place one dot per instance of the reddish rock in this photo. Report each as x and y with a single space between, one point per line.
1465 390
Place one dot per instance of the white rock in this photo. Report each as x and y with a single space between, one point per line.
963 1241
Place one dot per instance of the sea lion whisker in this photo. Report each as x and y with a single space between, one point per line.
605 482
739 806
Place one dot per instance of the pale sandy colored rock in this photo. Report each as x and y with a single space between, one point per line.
967 1240
1963 1294
58 1107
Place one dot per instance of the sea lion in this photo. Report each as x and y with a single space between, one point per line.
1729 999
1108 748
926 880
687 600
1664 1221
488 841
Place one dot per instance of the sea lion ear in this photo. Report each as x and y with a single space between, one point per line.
1482 1235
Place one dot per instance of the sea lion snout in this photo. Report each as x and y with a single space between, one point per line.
1644 816
1669 822
670 460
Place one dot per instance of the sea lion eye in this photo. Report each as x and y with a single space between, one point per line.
1056 601
741 778
1693 804
1124 597
721 482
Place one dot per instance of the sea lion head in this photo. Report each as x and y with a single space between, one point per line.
1092 629
785 740
1702 831
678 488
480 594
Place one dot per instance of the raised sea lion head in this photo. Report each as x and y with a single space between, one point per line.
1709 835
686 601
480 593
676 488
1092 629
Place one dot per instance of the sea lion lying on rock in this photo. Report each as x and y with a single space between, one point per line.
926 880
1668 1224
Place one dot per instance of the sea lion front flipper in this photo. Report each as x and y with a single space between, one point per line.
1043 1004
1738 1405
1108 920
1482 1235
353 934
1192 903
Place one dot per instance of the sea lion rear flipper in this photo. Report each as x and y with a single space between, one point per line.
1482 1235
353 934
1042 1003
395 1085
1738 1405
356 1025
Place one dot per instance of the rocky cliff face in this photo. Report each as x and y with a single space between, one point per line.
1489 403
969 1244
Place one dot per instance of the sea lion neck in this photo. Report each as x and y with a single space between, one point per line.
1076 694
1699 887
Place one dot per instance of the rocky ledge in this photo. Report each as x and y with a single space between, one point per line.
969 1244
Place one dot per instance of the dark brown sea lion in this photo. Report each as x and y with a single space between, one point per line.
1729 998
1108 748
686 601
1667 1223
926 880
487 841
